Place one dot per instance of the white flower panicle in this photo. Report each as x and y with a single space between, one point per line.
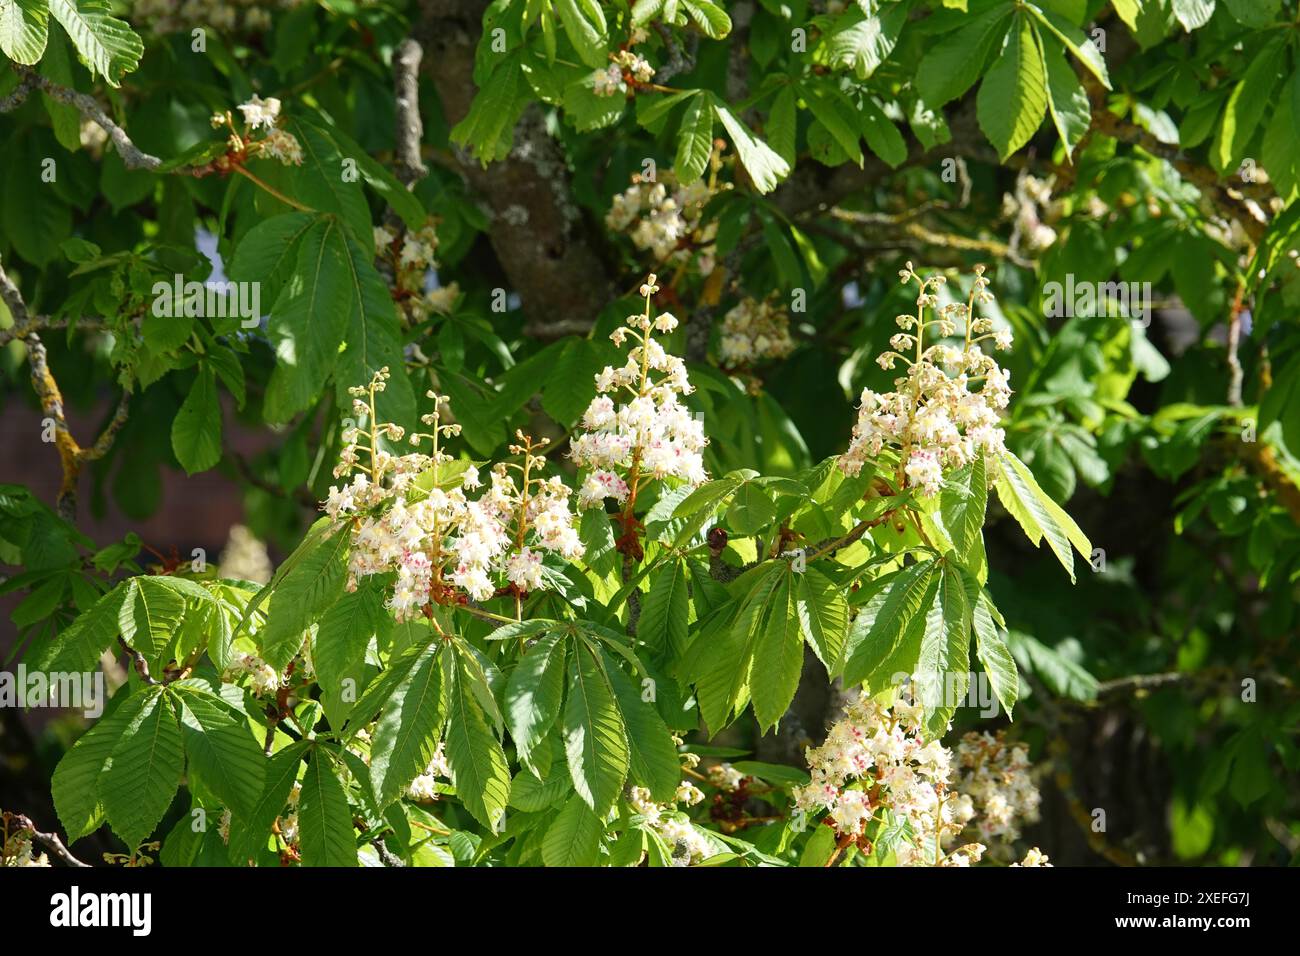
946 409
625 67
18 852
725 777
636 429
753 332
424 788
687 843
225 16
409 256
444 547
263 678
1035 857
260 117
663 218
996 776
876 765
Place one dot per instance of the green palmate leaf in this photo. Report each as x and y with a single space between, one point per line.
150 616
531 795
953 66
653 762
377 176
782 124
719 666
315 582
339 649
942 666
709 18
597 535
406 737
862 42
881 134
483 679
309 321
267 253
573 838
1193 13
880 626
665 612
251 831
764 167
196 430
1246 105
595 739
79 645
477 762
962 504
1084 50
586 109
324 182
24 29
823 617
1038 515
490 124
694 140
535 692
1013 96
374 341
706 497
324 818
221 748
723 654
381 688
570 386
838 118
145 769
751 509
57 65
1067 101
1061 674
778 655
75 784
108 46
584 24
993 653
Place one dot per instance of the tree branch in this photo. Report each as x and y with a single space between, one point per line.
72 457
50 841
410 128
132 156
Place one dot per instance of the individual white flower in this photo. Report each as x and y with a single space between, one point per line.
260 113
1035 857
725 777
608 82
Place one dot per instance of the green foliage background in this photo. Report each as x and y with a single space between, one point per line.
857 136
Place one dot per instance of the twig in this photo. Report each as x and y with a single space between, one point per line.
141 665
72 457
132 156
50 841
43 323
679 60
1234 340
410 129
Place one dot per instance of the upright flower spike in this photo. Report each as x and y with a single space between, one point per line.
946 409
443 547
650 435
876 760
